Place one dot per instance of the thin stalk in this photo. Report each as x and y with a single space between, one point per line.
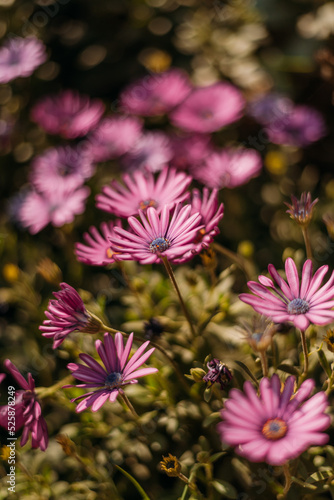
44 392
129 405
304 345
178 372
288 480
245 266
173 280
307 242
264 363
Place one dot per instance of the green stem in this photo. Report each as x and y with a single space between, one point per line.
288 480
173 280
264 363
307 242
43 392
129 405
304 345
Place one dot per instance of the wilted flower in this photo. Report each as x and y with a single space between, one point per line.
20 57
67 314
28 413
301 211
329 339
302 304
218 372
274 427
118 371
142 190
68 113
171 465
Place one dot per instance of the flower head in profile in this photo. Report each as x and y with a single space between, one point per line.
68 113
97 251
151 152
156 94
113 137
20 57
300 303
142 190
301 210
28 413
36 210
60 168
207 109
211 210
67 314
157 236
276 426
118 370
228 168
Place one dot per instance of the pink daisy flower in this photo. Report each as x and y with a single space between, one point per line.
67 314
141 191
61 168
117 371
157 236
156 94
97 252
68 114
190 150
208 109
28 413
301 304
114 137
151 152
211 212
276 426
37 210
228 168
20 57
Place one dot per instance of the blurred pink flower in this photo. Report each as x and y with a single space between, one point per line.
302 304
268 107
68 113
66 314
142 190
59 169
300 127
228 168
190 150
208 109
151 152
97 251
57 207
276 426
157 236
20 57
113 137
156 94
117 372
28 413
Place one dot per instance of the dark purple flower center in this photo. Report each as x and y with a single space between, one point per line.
298 306
159 245
274 429
113 380
144 204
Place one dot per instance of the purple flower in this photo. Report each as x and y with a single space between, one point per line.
302 304
20 57
274 427
208 109
117 372
228 168
36 210
156 94
28 413
190 150
151 152
68 113
114 137
60 169
269 107
141 191
97 252
217 372
302 126
67 314
157 236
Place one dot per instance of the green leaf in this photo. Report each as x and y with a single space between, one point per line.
320 476
247 370
324 363
207 394
224 488
216 456
292 370
133 481
304 485
211 419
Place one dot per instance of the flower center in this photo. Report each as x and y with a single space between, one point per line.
274 429
298 306
144 204
113 380
159 245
